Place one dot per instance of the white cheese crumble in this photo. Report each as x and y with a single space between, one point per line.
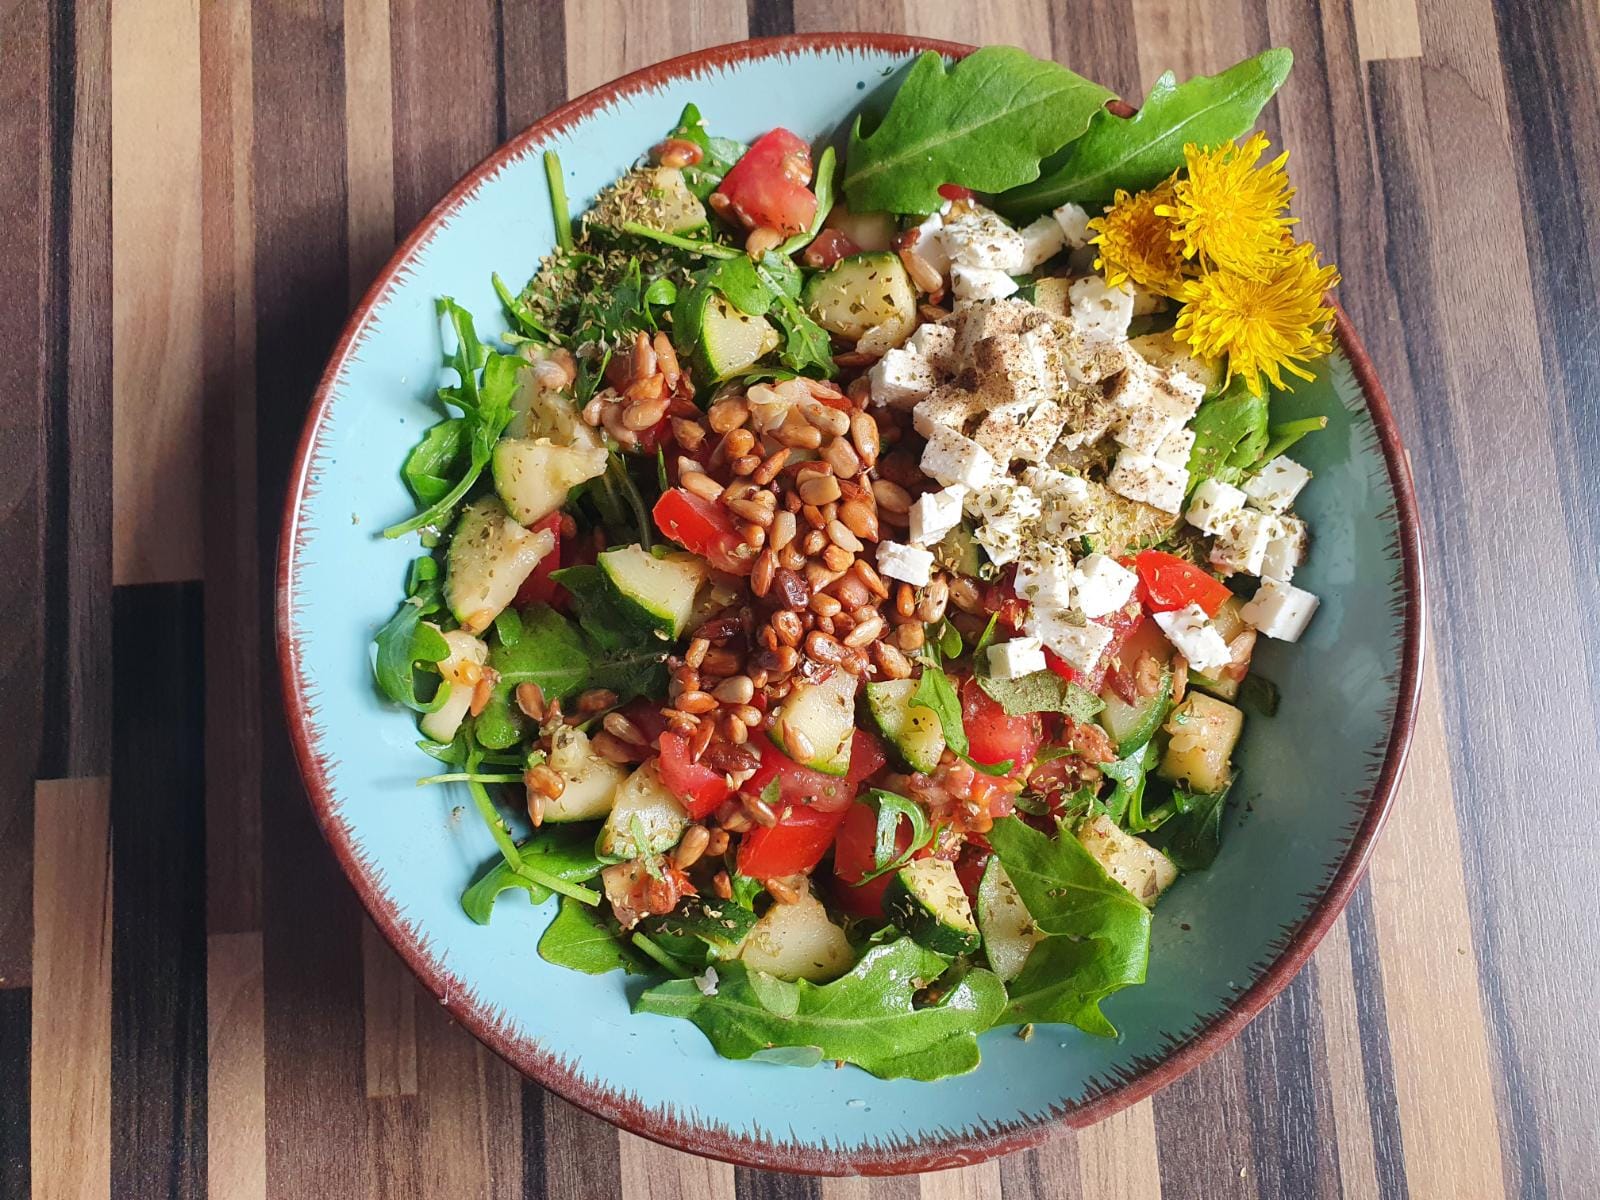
935 514
1280 610
1016 658
1274 487
908 564
1102 585
951 457
1195 637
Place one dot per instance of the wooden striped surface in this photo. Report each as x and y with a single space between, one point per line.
191 1002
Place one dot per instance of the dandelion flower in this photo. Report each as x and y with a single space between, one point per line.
1265 326
1229 213
1133 241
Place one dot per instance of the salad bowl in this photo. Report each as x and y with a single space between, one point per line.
1316 780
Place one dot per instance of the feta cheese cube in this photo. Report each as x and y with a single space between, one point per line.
900 378
980 283
1280 610
983 239
1147 479
929 244
952 458
909 564
1050 484
1005 501
1016 658
1177 448
1087 360
1045 577
937 345
1100 313
1147 429
1077 642
1001 541
936 514
1074 222
1241 541
1274 487
1041 431
979 321
1012 367
1102 585
1213 503
1286 550
947 406
1003 428
1195 637
1041 241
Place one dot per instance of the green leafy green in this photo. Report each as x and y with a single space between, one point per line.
869 1017
1042 691
935 691
586 939
886 854
407 640
1076 904
677 241
1192 837
823 187
1282 437
1230 432
558 199
1125 805
718 154
564 851
436 461
1138 152
985 124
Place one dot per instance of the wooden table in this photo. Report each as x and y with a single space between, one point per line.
189 994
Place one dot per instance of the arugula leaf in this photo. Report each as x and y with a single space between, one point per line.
604 616
984 124
565 851
407 640
1281 437
822 185
1192 838
718 153
1042 691
886 855
934 690
1073 901
508 627
521 312
1259 694
661 292
1138 152
745 890
1125 805
806 345
702 246
436 461
558 200
1230 431
584 939
868 1017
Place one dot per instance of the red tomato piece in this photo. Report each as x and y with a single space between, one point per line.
697 786
538 586
799 785
1000 597
954 191
993 736
795 844
828 247
767 187
702 527
1167 582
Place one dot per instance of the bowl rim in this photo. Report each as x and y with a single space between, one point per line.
717 1140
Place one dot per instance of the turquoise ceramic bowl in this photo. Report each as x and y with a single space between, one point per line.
1316 779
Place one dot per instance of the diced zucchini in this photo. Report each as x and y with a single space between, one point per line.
721 924
958 552
662 590
591 781
656 197
861 295
441 724
927 901
914 729
1204 731
1008 930
870 231
1050 294
534 475
1132 725
490 555
1131 861
798 941
726 340
642 801
1163 350
824 715
537 412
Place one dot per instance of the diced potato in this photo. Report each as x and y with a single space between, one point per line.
1203 731
798 941
1131 861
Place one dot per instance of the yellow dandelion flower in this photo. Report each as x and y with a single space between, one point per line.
1135 242
1264 326
1228 212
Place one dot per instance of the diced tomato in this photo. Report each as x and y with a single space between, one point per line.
1167 582
796 843
767 187
853 859
954 191
828 247
801 785
993 736
1122 623
646 718
538 586
702 527
1000 597
698 788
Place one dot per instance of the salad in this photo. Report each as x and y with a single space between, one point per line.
840 587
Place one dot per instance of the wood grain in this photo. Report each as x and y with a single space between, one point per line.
71 1044
1117 1158
1387 29
652 1172
389 1026
1347 1083
236 1091
963 1183
369 101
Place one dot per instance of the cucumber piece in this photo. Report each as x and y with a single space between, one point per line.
914 729
662 590
927 901
1222 688
642 800
824 714
1132 725
870 231
655 197
1008 930
727 340
441 724
1204 731
721 924
591 781
490 555
1131 861
958 552
534 475
798 941
862 294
